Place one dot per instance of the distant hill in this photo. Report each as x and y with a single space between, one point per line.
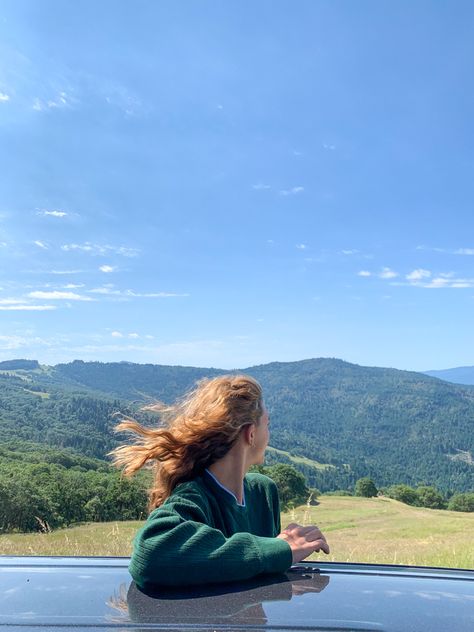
343 420
458 375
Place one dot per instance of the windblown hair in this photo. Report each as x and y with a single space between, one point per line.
194 433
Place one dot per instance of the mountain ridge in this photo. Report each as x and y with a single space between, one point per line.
396 426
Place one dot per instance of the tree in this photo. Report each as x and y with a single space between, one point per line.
403 493
430 497
291 485
365 487
462 502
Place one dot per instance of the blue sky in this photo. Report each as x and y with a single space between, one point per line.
232 183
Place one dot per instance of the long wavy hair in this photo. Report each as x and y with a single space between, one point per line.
194 433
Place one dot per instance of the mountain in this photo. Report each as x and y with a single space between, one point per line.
344 421
458 375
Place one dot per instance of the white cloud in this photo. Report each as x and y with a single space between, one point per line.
418 274
329 146
99 249
449 251
133 335
41 244
292 191
260 186
73 286
26 308
60 296
55 213
61 100
4 97
364 273
11 301
387 273
116 334
65 271
108 290
423 278
464 251
349 252
107 268
149 337
301 246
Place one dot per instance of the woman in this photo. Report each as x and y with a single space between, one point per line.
210 521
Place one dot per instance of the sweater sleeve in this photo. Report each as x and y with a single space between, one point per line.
176 547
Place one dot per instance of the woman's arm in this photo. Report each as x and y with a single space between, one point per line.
178 547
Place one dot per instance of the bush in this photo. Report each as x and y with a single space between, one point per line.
430 497
365 487
403 493
462 502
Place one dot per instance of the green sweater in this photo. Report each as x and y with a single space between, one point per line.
201 535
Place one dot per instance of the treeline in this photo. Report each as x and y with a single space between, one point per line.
426 496
43 489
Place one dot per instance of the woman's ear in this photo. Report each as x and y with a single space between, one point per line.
249 434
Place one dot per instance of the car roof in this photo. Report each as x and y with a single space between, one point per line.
84 593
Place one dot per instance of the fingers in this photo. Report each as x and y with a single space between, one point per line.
305 539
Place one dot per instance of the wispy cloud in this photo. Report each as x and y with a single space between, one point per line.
119 334
53 213
109 290
292 191
65 271
418 275
26 308
11 301
329 146
59 296
106 268
4 97
41 244
100 249
464 251
261 187
469 252
60 100
301 246
387 273
350 252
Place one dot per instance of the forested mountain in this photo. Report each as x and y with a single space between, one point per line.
395 426
458 375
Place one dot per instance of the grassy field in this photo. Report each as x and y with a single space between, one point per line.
358 530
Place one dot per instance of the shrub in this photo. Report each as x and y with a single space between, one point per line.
462 502
365 487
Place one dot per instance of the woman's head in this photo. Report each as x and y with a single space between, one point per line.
196 432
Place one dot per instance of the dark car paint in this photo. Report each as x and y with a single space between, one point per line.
61 593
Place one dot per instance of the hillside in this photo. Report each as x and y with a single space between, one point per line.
458 375
395 426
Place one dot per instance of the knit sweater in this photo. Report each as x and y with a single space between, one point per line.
201 535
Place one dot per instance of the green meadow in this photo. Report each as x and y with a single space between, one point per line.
377 530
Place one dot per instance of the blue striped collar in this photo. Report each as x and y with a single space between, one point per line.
227 490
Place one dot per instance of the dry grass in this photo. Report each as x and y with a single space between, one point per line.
381 530
374 530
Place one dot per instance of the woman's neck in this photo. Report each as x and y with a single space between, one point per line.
230 472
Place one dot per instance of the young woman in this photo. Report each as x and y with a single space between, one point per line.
210 521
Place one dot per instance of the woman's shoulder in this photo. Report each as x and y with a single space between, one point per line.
255 480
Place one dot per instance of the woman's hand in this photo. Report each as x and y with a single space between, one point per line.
304 540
